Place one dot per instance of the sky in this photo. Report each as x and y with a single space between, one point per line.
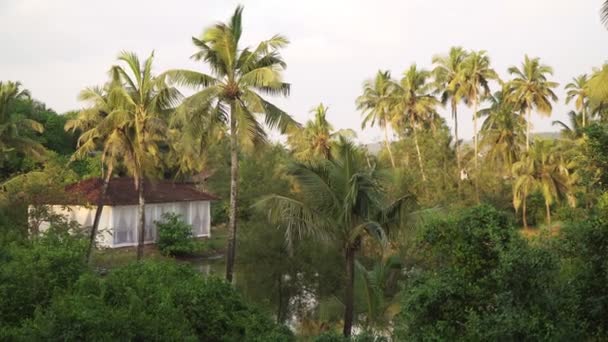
57 48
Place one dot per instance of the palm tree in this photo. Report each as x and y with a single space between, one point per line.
380 306
574 131
375 104
577 91
597 87
542 168
232 94
338 199
531 89
15 126
604 13
143 101
474 78
502 131
315 140
413 104
525 183
99 135
447 81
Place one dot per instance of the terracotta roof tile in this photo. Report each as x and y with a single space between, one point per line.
121 191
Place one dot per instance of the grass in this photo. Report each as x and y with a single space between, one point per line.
213 245
551 230
205 247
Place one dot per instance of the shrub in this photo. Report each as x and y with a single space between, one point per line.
152 301
333 336
483 281
32 272
583 246
174 235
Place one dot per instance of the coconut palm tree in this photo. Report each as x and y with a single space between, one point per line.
338 199
575 129
502 132
314 141
577 91
99 135
15 126
232 93
525 183
414 105
531 89
542 168
375 105
142 101
93 139
380 307
604 13
447 68
597 89
474 78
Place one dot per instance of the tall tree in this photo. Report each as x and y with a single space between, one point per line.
531 89
99 135
474 78
376 107
14 126
575 129
597 91
542 168
577 91
446 71
317 137
502 132
232 94
143 101
604 13
414 105
338 198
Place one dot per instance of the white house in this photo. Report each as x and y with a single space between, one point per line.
118 223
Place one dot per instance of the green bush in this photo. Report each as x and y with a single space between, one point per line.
362 337
583 246
483 281
174 235
158 301
33 271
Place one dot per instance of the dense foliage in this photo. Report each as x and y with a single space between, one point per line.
174 235
49 293
481 281
422 237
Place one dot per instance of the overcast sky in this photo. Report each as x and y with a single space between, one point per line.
56 48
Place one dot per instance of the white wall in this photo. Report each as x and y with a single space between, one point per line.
118 224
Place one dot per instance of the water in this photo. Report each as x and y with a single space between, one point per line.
288 299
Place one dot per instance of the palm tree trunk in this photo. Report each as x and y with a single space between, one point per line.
523 212
584 115
141 231
548 208
476 138
528 130
98 212
349 290
457 142
388 145
234 177
419 154
475 131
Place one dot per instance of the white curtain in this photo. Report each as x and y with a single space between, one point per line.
125 224
125 220
195 218
150 226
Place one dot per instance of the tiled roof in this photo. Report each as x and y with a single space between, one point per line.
121 191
